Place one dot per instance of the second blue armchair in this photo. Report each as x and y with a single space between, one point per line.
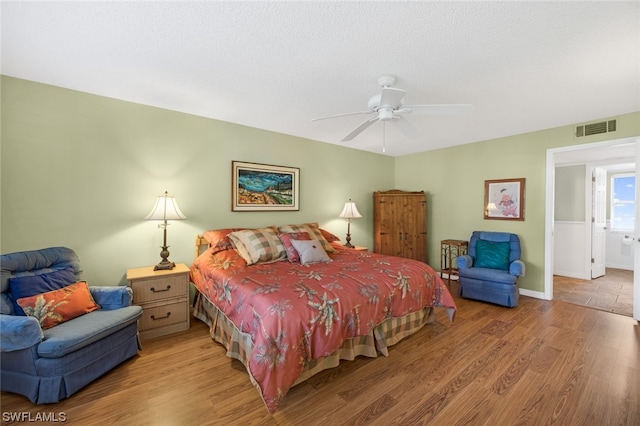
490 270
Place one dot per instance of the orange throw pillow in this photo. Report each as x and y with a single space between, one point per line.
57 306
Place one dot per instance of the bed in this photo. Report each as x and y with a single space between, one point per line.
289 316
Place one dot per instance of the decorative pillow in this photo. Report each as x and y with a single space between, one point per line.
57 306
314 231
286 239
492 255
310 251
30 285
260 245
329 236
219 238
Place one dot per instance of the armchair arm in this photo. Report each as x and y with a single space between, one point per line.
112 297
464 261
18 332
517 268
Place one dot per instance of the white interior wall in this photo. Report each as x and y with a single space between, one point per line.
567 260
619 250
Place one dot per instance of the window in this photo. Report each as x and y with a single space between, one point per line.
623 202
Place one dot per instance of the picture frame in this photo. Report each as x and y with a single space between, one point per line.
504 199
264 187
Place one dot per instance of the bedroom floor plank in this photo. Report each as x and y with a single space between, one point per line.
545 362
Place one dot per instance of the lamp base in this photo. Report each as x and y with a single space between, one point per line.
163 266
348 241
164 263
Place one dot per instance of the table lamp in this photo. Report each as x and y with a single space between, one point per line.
166 208
349 212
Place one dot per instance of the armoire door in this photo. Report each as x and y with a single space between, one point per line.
388 224
400 224
415 228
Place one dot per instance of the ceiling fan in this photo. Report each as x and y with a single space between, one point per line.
388 106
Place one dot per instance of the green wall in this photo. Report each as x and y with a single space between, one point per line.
454 180
82 171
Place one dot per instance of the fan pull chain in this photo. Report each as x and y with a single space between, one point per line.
384 137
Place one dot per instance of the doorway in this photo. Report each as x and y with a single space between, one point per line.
599 276
620 151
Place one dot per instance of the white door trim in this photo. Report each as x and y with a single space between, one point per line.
598 216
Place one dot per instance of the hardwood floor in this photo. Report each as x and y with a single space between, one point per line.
612 292
544 362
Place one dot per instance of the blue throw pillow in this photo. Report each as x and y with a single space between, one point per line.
31 285
492 255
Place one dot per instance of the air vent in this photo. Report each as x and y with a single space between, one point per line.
596 128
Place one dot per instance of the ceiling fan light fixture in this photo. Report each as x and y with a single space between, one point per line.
385 114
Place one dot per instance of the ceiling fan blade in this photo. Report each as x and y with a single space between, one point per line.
342 115
391 97
360 129
406 126
442 110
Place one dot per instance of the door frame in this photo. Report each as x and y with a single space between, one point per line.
597 207
549 210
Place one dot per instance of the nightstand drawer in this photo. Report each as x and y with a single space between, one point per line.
167 287
164 315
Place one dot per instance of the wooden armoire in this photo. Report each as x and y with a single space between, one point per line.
400 224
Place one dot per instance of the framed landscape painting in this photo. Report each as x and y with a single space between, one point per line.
264 187
504 199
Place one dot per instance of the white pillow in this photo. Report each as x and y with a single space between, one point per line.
310 251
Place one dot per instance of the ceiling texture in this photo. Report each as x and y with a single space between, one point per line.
276 65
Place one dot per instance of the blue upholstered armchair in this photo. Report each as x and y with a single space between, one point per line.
45 362
490 270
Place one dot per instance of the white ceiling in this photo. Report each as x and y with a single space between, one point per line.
275 65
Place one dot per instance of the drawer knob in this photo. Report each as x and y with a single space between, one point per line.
153 289
153 317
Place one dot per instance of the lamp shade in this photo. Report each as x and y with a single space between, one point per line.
350 211
166 208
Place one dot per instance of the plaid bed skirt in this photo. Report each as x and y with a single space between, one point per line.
239 345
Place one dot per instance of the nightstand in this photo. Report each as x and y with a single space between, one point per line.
449 251
164 298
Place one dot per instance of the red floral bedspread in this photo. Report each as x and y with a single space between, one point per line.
295 313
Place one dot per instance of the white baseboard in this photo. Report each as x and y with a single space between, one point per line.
531 293
571 275
625 267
